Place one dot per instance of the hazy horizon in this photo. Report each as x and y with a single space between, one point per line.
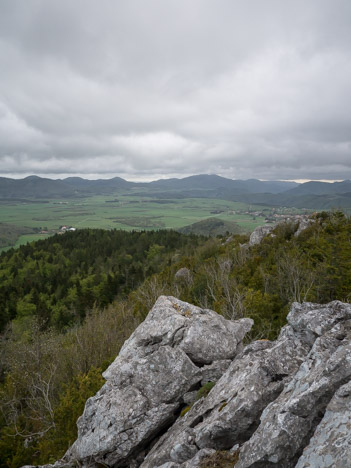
98 176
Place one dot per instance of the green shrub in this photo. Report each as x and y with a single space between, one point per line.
205 390
220 459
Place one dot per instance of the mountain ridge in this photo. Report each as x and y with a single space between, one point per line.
39 187
310 195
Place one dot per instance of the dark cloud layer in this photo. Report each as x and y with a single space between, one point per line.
176 87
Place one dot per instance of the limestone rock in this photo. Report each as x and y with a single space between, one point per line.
190 397
330 446
184 274
230 413
169 353
214 371
313 320
288 423
304 223
283 404
262 377
259 233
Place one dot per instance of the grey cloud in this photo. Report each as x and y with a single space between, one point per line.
165 87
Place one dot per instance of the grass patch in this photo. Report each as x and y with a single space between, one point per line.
204 390
202 393
185 410
128 212
220 459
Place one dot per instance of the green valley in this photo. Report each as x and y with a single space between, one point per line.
123 212
34 208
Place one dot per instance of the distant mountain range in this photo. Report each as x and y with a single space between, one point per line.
315 195
37 187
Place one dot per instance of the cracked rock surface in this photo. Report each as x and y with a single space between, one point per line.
292 418
330 445
282 404
272 397
230 413
170 353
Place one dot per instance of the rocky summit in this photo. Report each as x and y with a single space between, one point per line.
184 389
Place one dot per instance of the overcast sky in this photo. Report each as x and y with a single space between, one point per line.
145 89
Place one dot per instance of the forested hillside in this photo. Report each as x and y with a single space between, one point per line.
58 280
9 233
72 300
212 227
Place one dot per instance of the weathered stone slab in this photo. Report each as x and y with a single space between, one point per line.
169 353
288 423
330 446
232 409
231 412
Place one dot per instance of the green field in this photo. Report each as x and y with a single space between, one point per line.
124 212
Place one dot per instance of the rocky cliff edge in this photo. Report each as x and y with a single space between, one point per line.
283 404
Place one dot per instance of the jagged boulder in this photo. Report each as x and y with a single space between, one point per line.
167 356
258 384
301 222
304 223
288 423
283 404
260 233
330 445
184 275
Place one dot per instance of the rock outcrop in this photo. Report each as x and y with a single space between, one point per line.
184 275
293 417
261 383
283 404
330 445
170 354
302 222
260 233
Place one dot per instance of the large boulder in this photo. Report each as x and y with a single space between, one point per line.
301 222
283 404
168 355
288 423
262 382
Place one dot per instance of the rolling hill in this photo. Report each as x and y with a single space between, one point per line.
37 187
212 227
312 195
